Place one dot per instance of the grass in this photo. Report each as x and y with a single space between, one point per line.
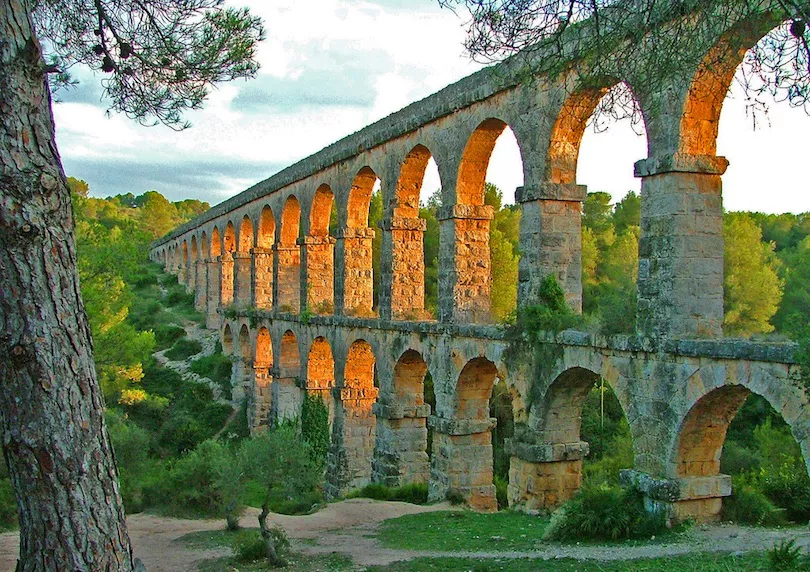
463 530
706 562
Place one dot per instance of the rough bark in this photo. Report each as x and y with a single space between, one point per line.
54 439
269 540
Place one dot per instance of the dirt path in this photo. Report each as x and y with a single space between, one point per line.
347 527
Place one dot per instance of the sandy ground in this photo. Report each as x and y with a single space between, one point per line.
347 527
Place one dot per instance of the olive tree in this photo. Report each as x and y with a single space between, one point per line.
157 59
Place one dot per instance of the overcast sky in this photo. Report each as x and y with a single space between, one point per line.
331 67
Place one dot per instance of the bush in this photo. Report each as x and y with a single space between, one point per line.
789 487
414 493
737 459
201 483
217 368
184 348
166 335
179 297
604 513
618 455
501 492
746 505
786 556
249 546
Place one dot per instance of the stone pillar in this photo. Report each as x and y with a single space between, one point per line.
400 453
464 265
543 475
286 399
355 276
402 296
242 381
680 266
212 293
260 397
191 276
201 285
348 461
681 498
225 280
242 270
181 271
551 240
318 264
288 281
462 461
263 278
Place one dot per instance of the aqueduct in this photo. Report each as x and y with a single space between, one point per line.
293 301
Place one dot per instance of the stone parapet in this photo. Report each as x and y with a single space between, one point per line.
362 232
314 240
461 426
680 163
551 191
403 223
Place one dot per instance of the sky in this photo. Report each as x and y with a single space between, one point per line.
331 67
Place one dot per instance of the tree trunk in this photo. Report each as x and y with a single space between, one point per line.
54 439
269 539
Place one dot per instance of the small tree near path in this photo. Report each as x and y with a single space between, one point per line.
158 57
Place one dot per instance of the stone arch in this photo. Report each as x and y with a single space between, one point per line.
462 446
227 340
289 361
259 403
266 235
403 245
229 238
245 234
319 251
264 348
321 211
245 347
204 245
216 243
354 429
360 198
356 290
263 259
286 395
289 257
194 250
700 119
400 453
472 170
321 374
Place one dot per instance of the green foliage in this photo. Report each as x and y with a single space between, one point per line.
216 367
166 335
315 427
500 408
785 555
752 286
183 349
747 505
501 494
282 463
8 502
551 313
604 513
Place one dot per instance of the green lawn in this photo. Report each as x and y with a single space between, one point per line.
463 530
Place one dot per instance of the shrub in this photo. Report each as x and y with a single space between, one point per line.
179 297
315 427
789 487
604 513
746 505
249 546
414 493
166 335
785 556
737 459
184 348
618 455
182 432
501 492
168 280
455 497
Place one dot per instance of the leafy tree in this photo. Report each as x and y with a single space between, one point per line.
752 287
504 265
431 250
597 212
157 213
375 214
160 59
791 317
627 212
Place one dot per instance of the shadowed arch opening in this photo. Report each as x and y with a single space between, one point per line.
320 381
289 257
321 211
289 362
227 340
204 245
245 349
194 250
245 234
360 198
